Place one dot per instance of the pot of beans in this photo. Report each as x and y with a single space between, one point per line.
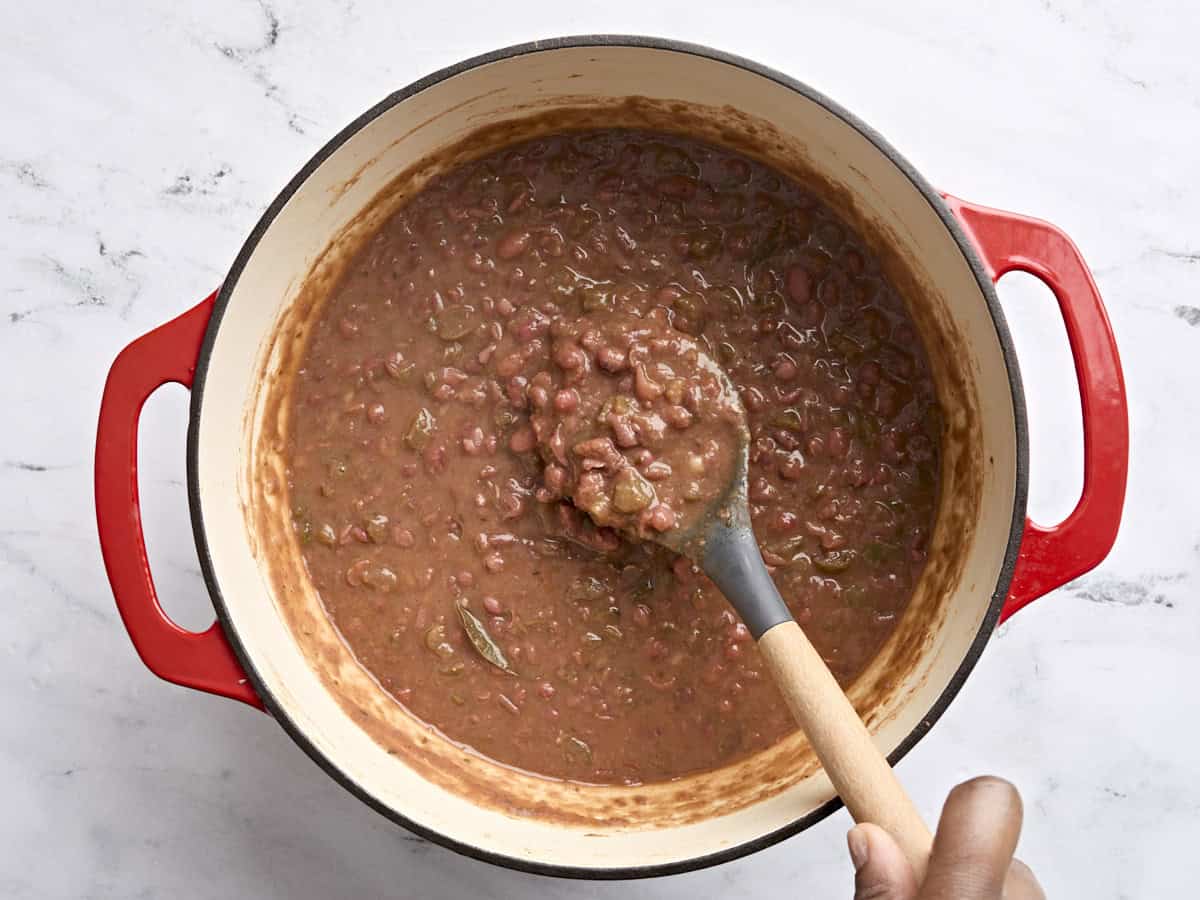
439 375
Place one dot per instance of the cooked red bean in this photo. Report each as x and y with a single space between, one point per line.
472 316
658 470
513 244
677 417
522 441
799 284
791 466
645 387
624 433
660 518
611 359
570 357
566 401
785 369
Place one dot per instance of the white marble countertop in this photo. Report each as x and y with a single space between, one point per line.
139 146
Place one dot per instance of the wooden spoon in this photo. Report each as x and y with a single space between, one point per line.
723 545
719 538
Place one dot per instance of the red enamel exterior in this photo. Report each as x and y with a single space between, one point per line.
201 660
1049 556
1052 556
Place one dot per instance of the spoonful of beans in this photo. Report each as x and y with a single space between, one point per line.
646 434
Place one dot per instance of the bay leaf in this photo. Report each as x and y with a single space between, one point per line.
483 642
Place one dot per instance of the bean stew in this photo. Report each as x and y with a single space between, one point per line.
533 327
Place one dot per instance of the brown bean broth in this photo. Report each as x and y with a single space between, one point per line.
415 476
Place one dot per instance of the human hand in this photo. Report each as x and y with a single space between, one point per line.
972 856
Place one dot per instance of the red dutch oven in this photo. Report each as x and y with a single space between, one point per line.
272 647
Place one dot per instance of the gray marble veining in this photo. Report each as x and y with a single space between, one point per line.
140 144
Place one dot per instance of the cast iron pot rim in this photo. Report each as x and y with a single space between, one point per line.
197 401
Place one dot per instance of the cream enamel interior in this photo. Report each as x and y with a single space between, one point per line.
232 417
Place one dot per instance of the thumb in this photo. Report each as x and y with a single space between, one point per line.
880 870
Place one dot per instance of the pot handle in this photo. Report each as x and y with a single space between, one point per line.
1052 556
201 660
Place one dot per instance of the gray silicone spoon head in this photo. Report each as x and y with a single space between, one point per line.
721 540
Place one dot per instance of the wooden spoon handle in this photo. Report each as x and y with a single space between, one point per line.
859 771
